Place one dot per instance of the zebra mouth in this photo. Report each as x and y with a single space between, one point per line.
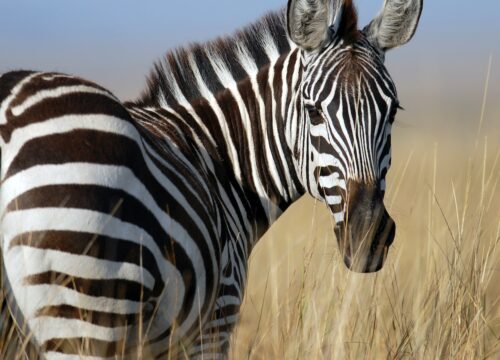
372 259
373 263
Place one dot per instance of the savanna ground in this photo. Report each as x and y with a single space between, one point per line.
438 296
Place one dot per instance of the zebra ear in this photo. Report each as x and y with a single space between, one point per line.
309 22
396 24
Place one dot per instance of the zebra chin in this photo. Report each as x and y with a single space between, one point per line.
367 233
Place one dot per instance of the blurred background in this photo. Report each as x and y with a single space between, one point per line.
440 75
438 296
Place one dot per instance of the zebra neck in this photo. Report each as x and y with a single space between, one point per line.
248 125
237 99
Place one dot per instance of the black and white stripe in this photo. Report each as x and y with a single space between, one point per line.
129 225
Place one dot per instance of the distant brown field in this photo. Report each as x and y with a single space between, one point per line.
436 298
438 295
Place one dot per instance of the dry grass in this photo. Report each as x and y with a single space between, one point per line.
437 297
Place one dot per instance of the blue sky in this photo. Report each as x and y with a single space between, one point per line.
116 42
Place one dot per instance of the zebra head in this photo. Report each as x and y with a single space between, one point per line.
347 106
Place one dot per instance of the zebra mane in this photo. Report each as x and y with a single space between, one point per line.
188 73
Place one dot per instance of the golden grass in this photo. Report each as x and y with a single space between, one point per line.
438 296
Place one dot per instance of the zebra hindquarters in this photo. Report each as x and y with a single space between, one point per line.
83 279
82 265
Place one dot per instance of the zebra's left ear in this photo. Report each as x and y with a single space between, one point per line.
310 21
395 25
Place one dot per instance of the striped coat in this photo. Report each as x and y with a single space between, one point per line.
127 227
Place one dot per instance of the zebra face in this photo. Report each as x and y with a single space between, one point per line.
349 103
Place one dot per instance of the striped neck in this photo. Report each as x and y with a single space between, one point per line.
242 96
253 124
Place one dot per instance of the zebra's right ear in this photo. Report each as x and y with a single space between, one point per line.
309 22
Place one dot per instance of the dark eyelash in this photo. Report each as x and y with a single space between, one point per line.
395 108
399 107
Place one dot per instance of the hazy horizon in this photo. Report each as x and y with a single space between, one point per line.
440 74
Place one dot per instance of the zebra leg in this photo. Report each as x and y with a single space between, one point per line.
214 340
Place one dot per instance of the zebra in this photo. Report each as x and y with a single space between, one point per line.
126 227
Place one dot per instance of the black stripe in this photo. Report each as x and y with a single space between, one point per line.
109 288
69 104
99 318
49 81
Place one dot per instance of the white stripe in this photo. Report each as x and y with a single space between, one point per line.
53 76
334 200
51 355
332 181
339 217
79 266
325 160
47 328
319 131
35 297
294 118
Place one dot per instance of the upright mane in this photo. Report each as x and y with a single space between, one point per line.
184 74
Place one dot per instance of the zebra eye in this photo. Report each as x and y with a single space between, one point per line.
315 115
